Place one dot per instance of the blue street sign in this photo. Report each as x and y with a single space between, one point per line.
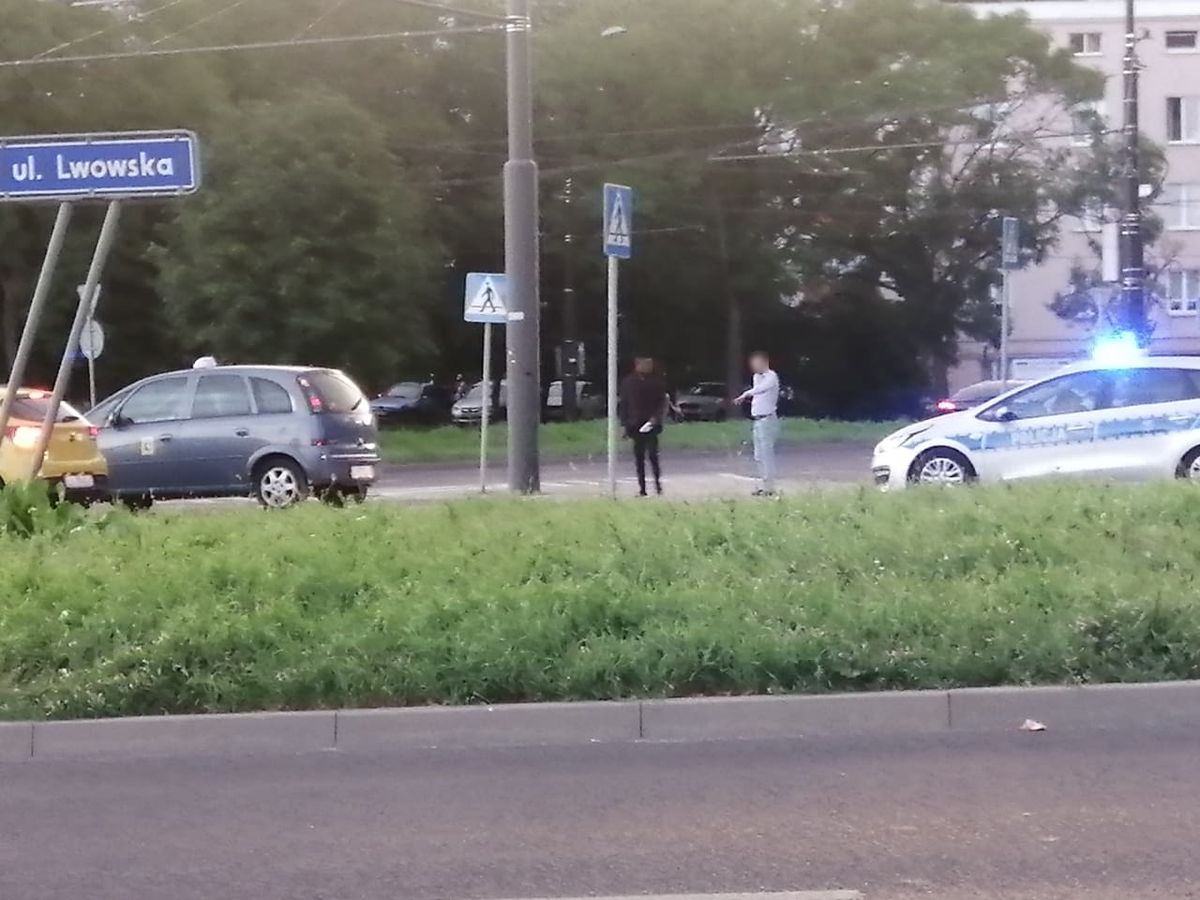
618 221
100 166
485 299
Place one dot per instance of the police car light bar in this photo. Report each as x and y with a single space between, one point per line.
1117 349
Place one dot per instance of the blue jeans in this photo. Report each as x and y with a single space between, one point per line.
766 432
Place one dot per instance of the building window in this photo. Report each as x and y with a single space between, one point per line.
1180 206
1085 43
1183 120
1183 291
1181 41
1087 119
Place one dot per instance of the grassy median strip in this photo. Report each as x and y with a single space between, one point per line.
588 439
497 601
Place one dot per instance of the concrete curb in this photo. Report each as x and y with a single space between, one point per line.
572 724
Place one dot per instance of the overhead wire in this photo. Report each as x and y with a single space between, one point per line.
201 21
252 45
105 30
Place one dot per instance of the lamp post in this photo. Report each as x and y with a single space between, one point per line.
521 260
1133 254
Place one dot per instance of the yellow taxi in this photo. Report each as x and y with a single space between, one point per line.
73 465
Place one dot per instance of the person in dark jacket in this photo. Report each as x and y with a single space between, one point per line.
643 407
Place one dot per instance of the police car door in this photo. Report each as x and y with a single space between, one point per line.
1047 429
1150 423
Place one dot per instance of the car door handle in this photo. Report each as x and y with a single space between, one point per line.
243 432
166 438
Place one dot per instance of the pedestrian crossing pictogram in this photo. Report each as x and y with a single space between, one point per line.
485 298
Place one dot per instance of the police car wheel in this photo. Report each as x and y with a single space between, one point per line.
1189 468
941 466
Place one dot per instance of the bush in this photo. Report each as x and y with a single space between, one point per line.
495 601
30 508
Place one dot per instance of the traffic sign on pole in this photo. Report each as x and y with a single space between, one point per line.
618 221
91 340
485 300
99 166
1010 244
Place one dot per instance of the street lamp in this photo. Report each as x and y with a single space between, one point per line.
521 260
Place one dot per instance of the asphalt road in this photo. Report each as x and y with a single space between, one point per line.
1099 815
688 474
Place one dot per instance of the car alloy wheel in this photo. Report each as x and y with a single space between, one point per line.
1192 467
280 486
941 469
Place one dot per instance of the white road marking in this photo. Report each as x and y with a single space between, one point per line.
793 895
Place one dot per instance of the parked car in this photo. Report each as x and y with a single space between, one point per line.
590 403
469 410
703 402
1139 420
73 465
413 403
970 396
277 433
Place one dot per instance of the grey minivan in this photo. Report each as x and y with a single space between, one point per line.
277 433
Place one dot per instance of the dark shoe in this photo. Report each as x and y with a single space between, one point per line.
658 489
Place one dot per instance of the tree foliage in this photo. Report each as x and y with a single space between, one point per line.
820 179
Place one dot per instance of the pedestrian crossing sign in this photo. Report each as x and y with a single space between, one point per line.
486 298
618 221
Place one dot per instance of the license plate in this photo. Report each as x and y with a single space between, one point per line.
362 473
76 482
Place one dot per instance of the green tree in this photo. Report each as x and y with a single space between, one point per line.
308 245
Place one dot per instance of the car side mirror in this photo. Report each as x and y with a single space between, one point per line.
117 421
1004 414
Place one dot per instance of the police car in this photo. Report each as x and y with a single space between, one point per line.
1136 420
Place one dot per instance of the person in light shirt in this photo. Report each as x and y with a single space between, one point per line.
763 398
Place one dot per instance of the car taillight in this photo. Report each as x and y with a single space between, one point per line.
315 403
23 436
947 406
93 431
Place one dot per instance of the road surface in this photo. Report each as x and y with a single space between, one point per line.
1095 815
688 474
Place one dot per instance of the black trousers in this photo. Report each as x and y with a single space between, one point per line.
646 446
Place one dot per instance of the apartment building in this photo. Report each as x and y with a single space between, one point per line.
1058 307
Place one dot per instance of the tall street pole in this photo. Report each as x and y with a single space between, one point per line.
521 260
1133 255
570 317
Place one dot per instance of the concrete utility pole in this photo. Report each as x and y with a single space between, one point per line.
521 260
570 316
1133 254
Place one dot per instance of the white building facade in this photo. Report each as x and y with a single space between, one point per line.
1058 307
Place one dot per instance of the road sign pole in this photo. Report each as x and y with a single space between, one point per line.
40 292
614 270
521 260
108 234
1005 304
485 409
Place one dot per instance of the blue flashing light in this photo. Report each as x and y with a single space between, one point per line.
1118 349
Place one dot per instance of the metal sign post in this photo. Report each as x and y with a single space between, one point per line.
40 292
85 167
1010 253
108 234
485 301
618 245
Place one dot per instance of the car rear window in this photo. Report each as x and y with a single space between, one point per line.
337 393
33 409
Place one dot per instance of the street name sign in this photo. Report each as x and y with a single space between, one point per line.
99 166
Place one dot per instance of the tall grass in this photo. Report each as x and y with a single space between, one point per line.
492 601
582 440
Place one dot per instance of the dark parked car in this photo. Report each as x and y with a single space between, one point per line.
971 396
277 433
413 403
469 410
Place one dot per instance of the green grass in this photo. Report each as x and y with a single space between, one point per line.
494 601
588 439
